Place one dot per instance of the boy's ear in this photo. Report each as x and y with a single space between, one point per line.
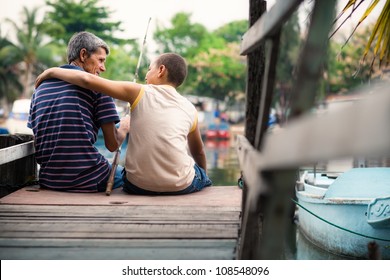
162 70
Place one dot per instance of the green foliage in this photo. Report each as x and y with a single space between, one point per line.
345 67
233 31
70 16
39 45
285 68
9 72
30 52
378 43
122 62
217 73
289 50
183 37
215 67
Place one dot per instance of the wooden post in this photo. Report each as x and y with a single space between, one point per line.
16 173
255 73
276 213
255 70
266 215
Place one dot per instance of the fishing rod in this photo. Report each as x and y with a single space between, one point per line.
141 53
115 161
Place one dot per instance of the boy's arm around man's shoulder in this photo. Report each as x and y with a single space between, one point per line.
122 90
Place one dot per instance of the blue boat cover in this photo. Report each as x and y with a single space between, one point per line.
361 183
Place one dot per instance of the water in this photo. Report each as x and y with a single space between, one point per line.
305 250
222 161
223 170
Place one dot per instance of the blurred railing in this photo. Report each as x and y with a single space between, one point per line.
17 162
270 160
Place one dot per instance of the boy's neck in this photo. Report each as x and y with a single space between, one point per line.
165 84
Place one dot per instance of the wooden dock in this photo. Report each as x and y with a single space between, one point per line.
42 224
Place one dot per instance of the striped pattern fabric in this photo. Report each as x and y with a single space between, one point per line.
65 120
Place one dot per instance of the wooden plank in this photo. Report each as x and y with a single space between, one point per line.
117 230
210 196
175 218
206 216
30 212
268 88
41 225
81 249
268 24
173 222
15 152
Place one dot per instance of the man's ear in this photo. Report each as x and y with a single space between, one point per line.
83 55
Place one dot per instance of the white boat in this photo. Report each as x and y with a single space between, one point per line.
18 118
348 213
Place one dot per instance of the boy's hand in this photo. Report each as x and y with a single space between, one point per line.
43 76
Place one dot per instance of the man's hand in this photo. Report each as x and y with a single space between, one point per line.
125 124
124 127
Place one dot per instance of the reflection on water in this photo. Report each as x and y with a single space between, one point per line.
222 161
298 247
107 154
305 250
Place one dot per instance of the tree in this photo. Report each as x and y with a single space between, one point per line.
30 50
9 74
70 16
345 70
183 37
215 67
122 62
233 31
380 35
218 73
288 56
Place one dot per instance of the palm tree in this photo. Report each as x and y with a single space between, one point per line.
9 74
379 41
30 48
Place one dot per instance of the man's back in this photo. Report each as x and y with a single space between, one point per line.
65 120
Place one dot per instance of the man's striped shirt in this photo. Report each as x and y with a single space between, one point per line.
65 120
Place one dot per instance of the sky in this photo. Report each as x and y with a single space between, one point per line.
135 14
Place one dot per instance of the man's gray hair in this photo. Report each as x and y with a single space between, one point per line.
84 40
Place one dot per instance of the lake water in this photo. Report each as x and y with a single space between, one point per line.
222 161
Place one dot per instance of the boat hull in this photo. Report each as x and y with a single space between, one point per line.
340 237
343 225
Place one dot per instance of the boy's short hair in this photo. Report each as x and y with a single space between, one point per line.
176 66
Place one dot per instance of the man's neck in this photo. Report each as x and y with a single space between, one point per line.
76 63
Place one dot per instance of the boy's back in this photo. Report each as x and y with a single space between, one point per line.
160 121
